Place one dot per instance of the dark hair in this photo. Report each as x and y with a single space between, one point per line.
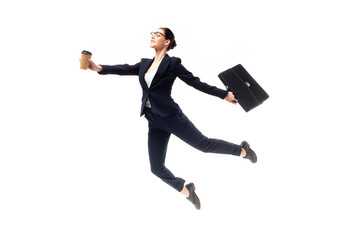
169 35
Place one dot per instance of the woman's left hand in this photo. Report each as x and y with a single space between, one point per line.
230 97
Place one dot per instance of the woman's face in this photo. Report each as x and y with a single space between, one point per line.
158 41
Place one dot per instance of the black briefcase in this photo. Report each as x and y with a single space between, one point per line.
248 92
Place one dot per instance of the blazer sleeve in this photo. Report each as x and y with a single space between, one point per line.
195 82
122 69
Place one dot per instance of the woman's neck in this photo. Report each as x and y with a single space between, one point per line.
159 55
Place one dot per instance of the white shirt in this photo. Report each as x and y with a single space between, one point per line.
148 79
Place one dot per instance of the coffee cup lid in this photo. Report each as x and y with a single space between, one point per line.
86 52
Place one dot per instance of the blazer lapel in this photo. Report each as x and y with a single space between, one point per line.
144 67
161 70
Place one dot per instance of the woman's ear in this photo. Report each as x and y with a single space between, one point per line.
167 42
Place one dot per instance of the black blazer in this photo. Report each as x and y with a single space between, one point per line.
159 92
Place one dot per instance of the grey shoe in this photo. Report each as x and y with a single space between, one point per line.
193 197
250 154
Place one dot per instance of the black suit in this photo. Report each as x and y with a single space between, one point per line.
159 92
165 116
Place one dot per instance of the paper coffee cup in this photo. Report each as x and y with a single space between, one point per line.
84 62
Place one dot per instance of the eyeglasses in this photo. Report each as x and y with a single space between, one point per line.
157 34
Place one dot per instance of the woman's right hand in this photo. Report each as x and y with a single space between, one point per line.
230 97
94 67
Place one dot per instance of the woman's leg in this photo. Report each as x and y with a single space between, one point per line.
157 143
186 131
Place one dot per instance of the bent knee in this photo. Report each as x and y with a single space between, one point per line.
157 170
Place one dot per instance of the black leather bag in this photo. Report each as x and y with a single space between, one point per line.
248 92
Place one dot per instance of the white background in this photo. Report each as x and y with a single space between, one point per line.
73 150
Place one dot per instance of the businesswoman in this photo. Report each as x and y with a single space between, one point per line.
165 117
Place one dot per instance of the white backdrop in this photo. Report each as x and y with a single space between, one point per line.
73 153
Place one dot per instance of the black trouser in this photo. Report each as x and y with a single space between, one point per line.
160 129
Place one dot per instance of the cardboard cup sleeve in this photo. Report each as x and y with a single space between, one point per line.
84 62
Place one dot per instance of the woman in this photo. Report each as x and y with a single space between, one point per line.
165 117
